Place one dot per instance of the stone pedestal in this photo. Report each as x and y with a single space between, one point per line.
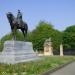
48 49
61 50
16 52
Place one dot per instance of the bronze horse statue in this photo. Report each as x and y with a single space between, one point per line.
15 25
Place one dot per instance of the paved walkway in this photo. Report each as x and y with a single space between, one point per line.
67 70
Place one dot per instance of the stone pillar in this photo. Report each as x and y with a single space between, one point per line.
61 50
48 49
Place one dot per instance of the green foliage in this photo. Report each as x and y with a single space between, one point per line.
69 38
6 37
42 32
70 29
19 36
57 39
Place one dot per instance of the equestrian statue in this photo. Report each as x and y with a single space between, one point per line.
17 23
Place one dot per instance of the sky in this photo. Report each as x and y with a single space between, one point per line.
60 13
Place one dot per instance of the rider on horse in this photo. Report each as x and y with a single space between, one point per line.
19 18
17 23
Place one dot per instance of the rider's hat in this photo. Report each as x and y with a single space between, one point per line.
18 11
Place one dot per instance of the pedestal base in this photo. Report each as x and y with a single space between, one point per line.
17 51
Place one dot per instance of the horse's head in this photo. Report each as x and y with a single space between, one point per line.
9 15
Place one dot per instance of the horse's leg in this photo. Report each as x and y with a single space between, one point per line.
26 31
26 28
14 33
15 28
23 32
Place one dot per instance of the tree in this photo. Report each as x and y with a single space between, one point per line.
69 37
43 31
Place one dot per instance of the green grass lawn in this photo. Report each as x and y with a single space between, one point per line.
34 67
